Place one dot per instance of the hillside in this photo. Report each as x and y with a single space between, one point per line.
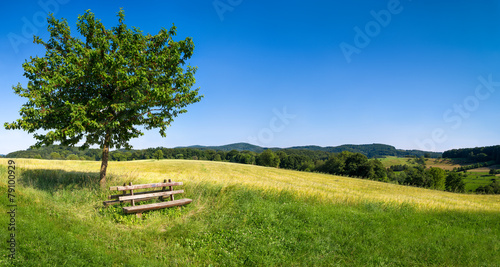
245 215
369 150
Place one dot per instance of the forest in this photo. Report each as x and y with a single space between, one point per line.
345 163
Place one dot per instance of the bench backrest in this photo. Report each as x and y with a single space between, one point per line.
143 186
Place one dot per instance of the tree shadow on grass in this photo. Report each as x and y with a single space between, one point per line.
54 180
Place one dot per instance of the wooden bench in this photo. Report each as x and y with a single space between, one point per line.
166 190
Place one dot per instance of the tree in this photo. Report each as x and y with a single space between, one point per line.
437 178
454 182
72 157
55 155
158 154
268 158
101 88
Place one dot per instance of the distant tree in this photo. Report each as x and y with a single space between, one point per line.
268 158
379 170
437 178
231 155
217 157
355 164
72 157
334 165
493 188
420 160
55 155
158 154
103 87
416 176
454 182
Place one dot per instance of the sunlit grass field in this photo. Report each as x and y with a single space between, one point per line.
243 215
445 164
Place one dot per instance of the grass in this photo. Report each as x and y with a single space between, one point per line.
244 215
475 179
445 164
390 161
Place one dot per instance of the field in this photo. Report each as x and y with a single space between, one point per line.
445 164
389 161
475 177
243 215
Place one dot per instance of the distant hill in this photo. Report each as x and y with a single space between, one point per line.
235 146
370 150
477 154
313 152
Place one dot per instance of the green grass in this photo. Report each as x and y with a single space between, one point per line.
446 164
390 161
244 215
473 180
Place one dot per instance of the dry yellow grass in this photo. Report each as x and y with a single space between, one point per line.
329 188
445 164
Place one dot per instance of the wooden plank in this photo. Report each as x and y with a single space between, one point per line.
113 202
155 206
158 194
135 193
142 186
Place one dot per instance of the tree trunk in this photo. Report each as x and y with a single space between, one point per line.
105 156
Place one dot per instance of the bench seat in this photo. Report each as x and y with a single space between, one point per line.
154 206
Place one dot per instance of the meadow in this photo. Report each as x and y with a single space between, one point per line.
242 215
445 164
476 178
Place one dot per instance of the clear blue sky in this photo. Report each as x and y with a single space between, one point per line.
413 74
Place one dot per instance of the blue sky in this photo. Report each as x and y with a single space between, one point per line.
413 74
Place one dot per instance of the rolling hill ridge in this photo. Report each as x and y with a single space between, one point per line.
369 150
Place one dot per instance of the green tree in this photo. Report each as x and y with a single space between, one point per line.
454 182
268 159
101 88
55 155
72 157
437 178
158 154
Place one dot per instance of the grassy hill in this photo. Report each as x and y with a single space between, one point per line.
243 215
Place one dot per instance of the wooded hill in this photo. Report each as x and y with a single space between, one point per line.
369 150
200 152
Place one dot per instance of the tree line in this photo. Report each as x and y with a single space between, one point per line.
350 164
477 154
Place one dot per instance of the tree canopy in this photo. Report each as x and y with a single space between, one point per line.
100 89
